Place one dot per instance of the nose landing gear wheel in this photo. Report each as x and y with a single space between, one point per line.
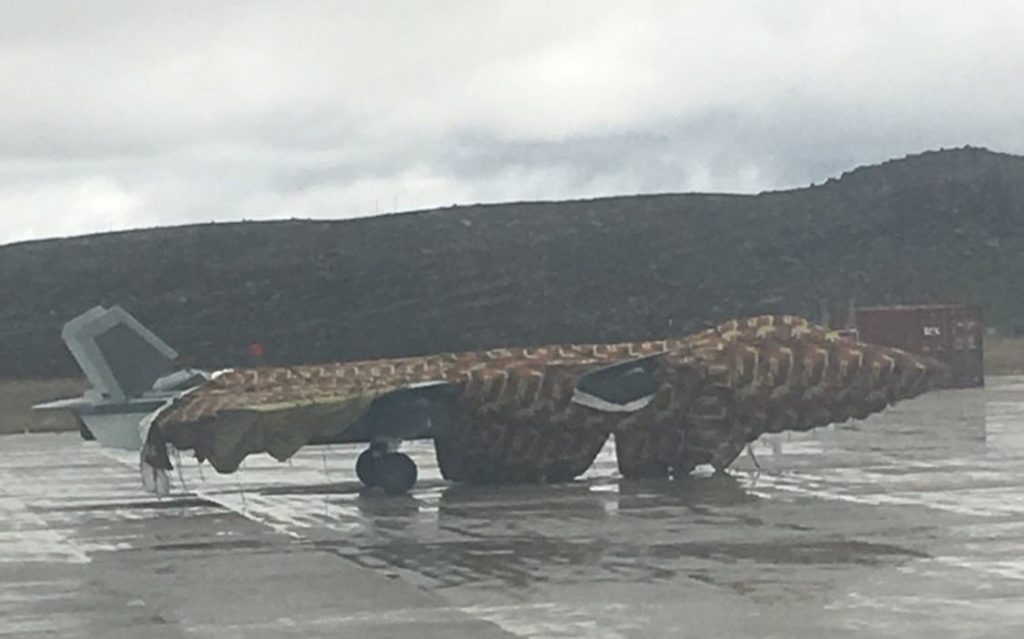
395 473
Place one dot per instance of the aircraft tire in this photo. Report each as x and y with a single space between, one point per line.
395 472
366 467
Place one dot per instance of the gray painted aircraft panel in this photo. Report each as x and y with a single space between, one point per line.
131 373
101 339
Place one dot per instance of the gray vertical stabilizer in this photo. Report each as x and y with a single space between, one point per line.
120 357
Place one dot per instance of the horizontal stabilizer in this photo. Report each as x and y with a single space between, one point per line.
625 387
71 404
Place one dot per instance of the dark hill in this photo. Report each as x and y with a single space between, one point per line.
940 226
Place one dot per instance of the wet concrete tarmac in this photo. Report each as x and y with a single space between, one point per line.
910 524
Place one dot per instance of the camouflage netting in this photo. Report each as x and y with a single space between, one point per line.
727 386
525 393
513 419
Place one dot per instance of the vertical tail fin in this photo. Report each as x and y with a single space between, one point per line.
120 357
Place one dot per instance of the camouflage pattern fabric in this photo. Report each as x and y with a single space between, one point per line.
513 419
725 387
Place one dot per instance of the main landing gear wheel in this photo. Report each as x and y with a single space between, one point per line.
365 466
394 472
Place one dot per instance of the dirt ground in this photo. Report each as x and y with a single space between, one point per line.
18 396
1004 355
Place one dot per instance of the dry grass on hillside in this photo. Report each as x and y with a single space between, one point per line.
18 396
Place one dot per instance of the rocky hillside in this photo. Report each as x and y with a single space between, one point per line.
940 226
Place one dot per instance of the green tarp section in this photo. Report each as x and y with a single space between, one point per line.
280 430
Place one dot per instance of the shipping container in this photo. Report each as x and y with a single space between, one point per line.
951 333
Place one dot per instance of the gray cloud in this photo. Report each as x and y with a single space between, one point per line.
126 114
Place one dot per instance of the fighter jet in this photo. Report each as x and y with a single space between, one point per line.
511 415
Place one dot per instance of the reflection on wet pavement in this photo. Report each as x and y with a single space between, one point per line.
910 524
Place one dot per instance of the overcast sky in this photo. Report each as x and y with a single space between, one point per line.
128 114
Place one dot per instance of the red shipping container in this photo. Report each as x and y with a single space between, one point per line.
951 333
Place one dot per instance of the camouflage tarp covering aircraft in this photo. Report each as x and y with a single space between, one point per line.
542 414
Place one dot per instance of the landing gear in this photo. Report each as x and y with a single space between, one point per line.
365 466
394 472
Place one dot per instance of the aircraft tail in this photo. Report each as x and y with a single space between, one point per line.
121 358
